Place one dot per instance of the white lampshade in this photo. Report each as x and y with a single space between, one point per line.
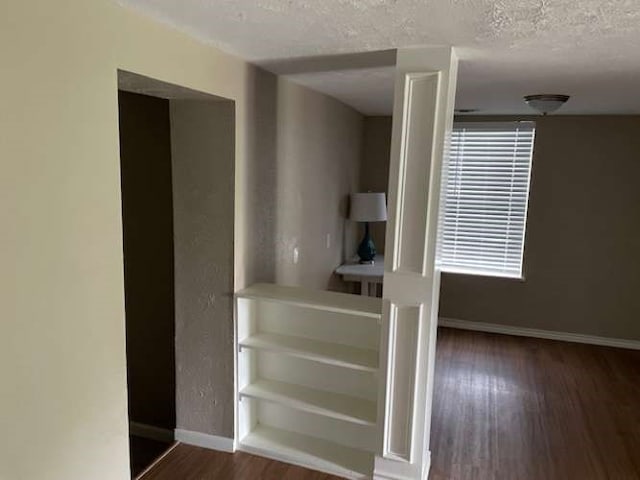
368 207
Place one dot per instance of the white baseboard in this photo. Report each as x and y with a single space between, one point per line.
404 475
388 469
381 476
538 333
212 442
151 432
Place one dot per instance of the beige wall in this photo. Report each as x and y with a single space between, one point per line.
582 261
62 351
319 143
202 152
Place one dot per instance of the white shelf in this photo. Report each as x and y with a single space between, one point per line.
324 352
318 343
334 405
309 452
320 300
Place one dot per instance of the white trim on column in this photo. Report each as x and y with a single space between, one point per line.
539 333
212 442
382 476
426 465
422 117
151 432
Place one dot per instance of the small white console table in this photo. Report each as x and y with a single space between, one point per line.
368 275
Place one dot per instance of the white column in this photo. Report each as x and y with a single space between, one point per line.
422 120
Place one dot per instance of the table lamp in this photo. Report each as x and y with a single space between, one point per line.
368 207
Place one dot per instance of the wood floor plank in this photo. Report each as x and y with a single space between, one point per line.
186 462
521 408
505 408
143 452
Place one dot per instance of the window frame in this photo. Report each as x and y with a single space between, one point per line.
478 271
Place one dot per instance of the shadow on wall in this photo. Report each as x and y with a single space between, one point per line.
147 216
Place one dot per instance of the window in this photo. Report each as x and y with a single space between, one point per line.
485 191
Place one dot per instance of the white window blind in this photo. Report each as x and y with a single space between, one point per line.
485 192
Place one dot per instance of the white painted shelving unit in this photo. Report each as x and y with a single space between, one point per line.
308 378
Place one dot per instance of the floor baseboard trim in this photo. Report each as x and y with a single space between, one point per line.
392 476
212 442
380 476
151 432
395 469
538 333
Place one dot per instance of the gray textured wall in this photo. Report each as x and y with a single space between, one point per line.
203 156
582 257
319 145
305 149
145 166
261 178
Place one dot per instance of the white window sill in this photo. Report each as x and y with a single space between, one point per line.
479 273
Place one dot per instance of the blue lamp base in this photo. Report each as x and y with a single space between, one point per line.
366 250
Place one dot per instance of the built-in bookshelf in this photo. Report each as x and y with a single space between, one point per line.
308 378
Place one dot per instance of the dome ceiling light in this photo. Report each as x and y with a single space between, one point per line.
546 103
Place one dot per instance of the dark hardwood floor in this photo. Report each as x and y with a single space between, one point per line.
185 462
505 408
527 409
143 452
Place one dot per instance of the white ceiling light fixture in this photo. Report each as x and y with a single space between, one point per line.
546 103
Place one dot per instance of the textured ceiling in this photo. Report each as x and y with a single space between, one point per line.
589 49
